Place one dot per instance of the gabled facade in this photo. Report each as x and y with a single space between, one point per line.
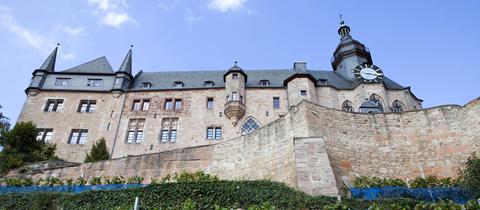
158 111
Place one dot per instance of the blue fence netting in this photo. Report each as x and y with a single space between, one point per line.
67 189
427 194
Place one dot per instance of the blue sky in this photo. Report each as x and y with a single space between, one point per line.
430 45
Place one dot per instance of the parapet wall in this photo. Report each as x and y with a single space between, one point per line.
312 145
430 141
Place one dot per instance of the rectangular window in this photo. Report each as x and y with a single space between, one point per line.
62 81
94 82
53 105
209 103
276 102
234 96
168 104
87 106
136 105
173 135
303 92
169 130
235 76
214 133
45 135
135 130
78 136
145 105
178 104
164 136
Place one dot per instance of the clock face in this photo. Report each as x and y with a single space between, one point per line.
368 73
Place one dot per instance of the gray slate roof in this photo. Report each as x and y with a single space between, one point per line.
99 65
163 80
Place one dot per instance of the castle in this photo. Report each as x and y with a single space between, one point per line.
158 111
307 128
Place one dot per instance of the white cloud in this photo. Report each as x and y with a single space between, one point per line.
167 4
74 31
226 5
191 18
42 44
68 56
113 12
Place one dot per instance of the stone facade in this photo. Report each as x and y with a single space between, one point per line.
312 147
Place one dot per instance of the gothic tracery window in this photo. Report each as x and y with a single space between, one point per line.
249 126
378 100
398 106
348 106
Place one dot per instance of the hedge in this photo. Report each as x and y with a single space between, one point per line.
205 195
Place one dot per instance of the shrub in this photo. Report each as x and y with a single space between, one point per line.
98 152
470 175
20 146
96 180
198 176
134 180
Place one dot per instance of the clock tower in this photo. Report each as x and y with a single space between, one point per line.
349 54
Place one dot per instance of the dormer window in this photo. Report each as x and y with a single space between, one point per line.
146 85
323 82
178 84
264 82
94 82
208 84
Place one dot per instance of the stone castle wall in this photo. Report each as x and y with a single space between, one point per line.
312 144
430 141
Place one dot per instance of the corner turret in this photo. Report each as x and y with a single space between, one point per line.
39 75
235 79
123 77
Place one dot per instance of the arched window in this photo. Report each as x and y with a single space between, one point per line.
249 126
348 106
378 100
398 106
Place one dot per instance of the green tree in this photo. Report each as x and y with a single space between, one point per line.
4 124
470 175
20 146
98 152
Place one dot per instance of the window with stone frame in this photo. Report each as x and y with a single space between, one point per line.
173 104
135 131
378 100
45 135
214 133
87 106
249 126
78 136
141 105
169 130
303 92
276 102
53 105
348 106
398 106
210 103
234 76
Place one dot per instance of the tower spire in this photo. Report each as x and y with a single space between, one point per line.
127 62
344 30
49 64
